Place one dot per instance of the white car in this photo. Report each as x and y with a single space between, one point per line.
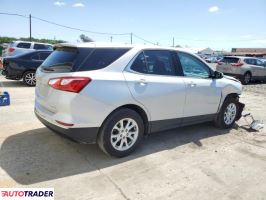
243 68
19 47
116 94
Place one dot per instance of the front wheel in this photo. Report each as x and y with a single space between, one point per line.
228 113
121 133
29 78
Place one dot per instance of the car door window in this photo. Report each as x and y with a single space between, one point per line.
39 46
157 62
259 63
193 67
252 62
24 45
139 65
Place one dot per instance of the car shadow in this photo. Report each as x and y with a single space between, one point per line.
40 155
11 83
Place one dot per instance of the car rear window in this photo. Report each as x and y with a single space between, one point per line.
42 46
24 45
82 59
230 60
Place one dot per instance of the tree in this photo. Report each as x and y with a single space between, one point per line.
85 38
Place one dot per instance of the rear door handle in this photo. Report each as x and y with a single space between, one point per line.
142 82
192 84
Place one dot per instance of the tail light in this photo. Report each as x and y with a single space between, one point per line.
11 49
238 64
70 84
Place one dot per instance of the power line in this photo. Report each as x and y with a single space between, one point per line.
13 14
118 34
78 29
143 39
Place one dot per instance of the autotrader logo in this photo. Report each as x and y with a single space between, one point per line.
26 193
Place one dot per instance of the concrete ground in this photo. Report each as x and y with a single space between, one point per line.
196 162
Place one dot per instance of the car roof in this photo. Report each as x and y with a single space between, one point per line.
18 41
118 45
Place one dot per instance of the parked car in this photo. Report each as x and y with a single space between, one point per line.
243 68
20 47
114 95
213 59
263 60
24 66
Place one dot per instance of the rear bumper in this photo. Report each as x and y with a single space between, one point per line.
80 135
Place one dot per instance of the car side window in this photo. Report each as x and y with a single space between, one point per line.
193 67
259 63
157 62
247 61
139 65
252 62
24 45
39 46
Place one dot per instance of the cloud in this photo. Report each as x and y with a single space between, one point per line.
78 5
59 3
213 9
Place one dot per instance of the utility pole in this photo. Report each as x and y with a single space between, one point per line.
131 38
111 38
30 26
173 42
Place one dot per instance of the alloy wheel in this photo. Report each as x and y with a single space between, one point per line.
230 114
124 134
30 78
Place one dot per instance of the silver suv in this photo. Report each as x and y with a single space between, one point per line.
19 47
243 68
116 94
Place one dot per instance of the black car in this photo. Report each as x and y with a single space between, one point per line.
24 66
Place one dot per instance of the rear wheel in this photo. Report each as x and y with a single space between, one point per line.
121 133
228 113
247 78
29 78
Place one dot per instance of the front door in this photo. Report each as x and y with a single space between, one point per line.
203 93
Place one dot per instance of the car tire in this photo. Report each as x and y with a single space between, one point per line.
247 78
228 113
115 138
29 78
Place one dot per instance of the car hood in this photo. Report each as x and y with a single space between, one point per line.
231 78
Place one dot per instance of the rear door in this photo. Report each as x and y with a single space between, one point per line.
252 64
154 81
203 93
261 68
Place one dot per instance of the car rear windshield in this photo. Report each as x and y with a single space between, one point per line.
81 59
230 60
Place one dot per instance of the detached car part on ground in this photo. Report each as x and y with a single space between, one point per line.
245 69
24 66
115 95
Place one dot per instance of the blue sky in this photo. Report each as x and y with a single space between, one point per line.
219 24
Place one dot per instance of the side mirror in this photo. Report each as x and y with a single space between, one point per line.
217 75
